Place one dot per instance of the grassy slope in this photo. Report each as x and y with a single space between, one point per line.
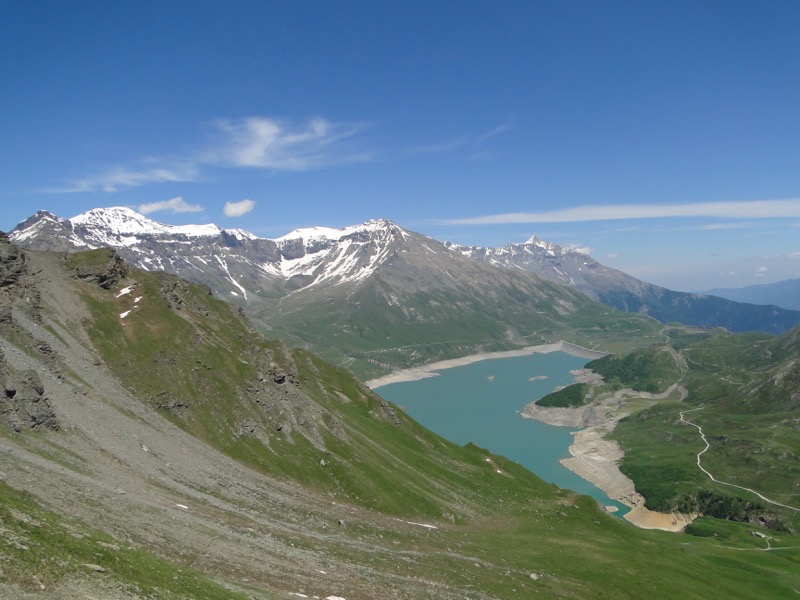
569 397
371 335
40 549
406 470
495 529
212 386
744 388
651 370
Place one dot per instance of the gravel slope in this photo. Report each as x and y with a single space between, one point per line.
117 465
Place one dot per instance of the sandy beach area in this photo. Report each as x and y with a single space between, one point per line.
430 370
596 460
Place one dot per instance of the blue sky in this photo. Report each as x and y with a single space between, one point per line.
661 137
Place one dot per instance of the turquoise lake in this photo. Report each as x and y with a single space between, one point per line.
481 402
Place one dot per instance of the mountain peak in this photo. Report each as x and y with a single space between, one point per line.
322 234
243 267
533 240
121 221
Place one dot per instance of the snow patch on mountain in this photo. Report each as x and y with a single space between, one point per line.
313 256
225 268
338 256
122 226
317 234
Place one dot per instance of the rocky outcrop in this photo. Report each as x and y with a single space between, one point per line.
13 284
23 404
391 413
106 270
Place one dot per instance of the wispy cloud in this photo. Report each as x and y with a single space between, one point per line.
466 141
491 133
176 205
119 178
756 209
253 143
725 226
580 249
237 209
272 144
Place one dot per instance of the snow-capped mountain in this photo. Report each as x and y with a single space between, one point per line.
626 293
314 256
551 261
375 292
230 261
114 227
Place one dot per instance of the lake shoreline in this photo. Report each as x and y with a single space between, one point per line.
592 457
430 370
596 459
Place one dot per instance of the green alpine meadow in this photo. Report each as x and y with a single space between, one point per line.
155 445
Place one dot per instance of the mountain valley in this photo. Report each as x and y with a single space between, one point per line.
155 445
376 298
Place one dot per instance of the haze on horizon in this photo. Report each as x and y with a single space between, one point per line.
661 139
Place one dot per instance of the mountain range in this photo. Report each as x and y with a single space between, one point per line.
785 294
628 294
375 297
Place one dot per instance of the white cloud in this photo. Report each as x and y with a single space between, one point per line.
254 142
612 255
580 249
271 144
177 205
124 177
761 271
756 209
237 209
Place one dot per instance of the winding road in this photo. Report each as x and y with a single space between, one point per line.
714 479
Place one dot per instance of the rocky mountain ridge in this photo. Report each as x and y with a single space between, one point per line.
232 258
785 294
628 294
375 297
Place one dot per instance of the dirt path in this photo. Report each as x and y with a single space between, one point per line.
714 479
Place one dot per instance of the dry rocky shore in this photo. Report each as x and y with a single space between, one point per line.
596 459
